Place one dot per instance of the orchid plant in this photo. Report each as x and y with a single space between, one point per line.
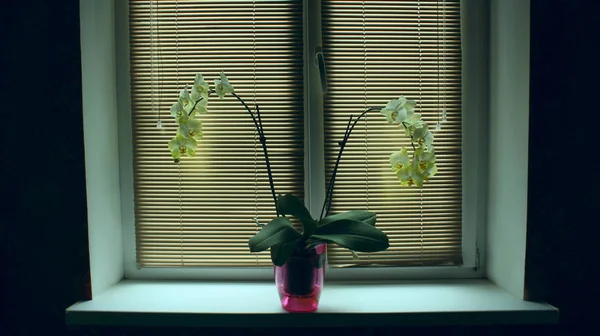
354 230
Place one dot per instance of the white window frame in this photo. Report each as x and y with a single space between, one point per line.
475 107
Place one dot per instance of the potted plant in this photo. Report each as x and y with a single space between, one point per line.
299 256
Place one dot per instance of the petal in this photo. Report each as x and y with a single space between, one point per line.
388 115
200 88
184 97
414 118
403 174
432 170
178 113
219 88
174 109
421 132
418 180
199 81
393 105
401 101
398 160
201 106
395 157
190 147
174 144
191 129
401 115
429 138
225 81
195 125
196 94
428 156
224 78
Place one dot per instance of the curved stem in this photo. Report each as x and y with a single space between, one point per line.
263 142
249 112
329 192
361 115
261 134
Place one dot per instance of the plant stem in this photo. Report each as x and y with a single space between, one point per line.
197 101
249 112
261 134
263 142
329 191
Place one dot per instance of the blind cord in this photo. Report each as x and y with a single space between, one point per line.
153 71
421 102
179 164
444 61
438 125
366 99
255 132
152 60
364 22
160 70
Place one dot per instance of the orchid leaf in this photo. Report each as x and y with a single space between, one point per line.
359 215
354 235
292 205
279 230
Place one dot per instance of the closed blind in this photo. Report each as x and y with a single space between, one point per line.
376 51
200 212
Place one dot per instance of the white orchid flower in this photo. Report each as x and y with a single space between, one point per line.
423 137
200 88
191 128
182 146
395 111
222 86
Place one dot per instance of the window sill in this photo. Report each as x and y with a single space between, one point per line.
243 304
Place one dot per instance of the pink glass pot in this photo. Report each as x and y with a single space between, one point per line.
300 280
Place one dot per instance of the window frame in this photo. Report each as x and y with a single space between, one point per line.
474 99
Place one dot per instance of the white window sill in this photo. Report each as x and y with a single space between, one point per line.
243 304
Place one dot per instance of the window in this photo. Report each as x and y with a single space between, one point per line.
200 212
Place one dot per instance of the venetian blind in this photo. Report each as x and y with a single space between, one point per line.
375 51
200 212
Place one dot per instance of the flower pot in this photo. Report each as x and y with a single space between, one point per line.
300 280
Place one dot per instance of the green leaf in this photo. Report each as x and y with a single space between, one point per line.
359 215
292 205
278 230
354 235
282 251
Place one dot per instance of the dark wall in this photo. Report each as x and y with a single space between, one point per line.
563 192
43 211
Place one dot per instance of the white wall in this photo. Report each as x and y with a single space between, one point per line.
508 148
101 143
